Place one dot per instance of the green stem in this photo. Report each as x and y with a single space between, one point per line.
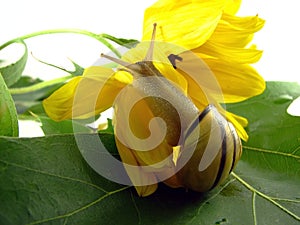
39 86
98 37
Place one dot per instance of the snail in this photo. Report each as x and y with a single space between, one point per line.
209 147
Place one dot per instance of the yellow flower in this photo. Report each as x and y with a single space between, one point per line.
62 104
211 31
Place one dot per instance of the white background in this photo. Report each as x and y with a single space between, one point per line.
280 38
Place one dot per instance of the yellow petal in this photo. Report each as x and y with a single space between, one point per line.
236 31
136 174
87 95
102 74
232 6
229 54
160 60
237 81
200 79
143 139
238 122
136 124
58 106
234 82
173 182
137 53
184 23
161 51
241 120
239 128
173 75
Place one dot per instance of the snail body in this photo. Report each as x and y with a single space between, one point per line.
209 146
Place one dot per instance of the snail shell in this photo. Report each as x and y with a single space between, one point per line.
209 145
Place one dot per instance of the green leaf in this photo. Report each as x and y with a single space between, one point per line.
33 95
12 70
46 181
47 177
29 110
110 127
50 126
128 43
270 166
28 92
26 81
8 114
27 100
78 70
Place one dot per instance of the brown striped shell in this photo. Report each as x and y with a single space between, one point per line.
215 148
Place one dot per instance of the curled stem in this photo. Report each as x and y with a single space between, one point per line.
98 37
39 86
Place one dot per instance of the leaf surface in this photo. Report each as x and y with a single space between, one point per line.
8 113
46 181
12 70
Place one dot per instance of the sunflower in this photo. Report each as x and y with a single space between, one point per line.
207 31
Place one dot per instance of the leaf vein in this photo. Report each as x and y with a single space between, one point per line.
254 208
254 190
136 208
209 199
296 150
67 215
286 200
53 175
272 152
